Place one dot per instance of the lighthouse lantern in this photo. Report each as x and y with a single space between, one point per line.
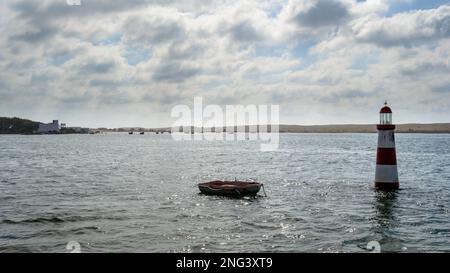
386 115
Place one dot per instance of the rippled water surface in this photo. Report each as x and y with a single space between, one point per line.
134 193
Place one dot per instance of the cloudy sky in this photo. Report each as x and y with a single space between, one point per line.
128 62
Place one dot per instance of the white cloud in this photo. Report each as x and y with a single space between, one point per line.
404 29
316 58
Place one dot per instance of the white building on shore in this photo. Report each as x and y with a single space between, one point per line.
49 128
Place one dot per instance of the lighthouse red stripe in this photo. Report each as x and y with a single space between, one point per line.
386 156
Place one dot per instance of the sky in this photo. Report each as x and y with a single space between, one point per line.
118 63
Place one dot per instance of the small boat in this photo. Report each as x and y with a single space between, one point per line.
230 188
141 133
130 133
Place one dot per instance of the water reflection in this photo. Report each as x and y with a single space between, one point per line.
385 220
384 204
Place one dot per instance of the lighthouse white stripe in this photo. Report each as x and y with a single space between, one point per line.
386 139
386 173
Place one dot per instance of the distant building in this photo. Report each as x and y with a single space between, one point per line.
49 128
79 130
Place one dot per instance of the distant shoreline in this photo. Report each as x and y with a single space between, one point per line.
24 126
418 128
311 132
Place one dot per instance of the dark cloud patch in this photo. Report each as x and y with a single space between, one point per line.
443 88
97 67
43 78
384 39
142 32
424 68
177 52
174 73
19 65
148 98
2 84
44 15
115 83
60 56
50 10
443 26
245 32
324 13
35 36
103 83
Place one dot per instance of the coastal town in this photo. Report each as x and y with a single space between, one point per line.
28 127
55 128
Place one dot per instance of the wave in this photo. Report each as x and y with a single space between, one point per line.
59 219
35 220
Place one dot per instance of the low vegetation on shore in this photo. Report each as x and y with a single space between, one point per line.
17 126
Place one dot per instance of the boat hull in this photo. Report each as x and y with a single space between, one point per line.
230 188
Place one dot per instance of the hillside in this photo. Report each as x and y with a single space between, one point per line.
17 126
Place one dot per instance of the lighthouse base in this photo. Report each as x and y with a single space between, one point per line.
387 186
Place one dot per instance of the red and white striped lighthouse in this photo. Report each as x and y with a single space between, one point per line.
386 175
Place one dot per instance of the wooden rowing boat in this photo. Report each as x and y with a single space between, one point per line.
230 188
